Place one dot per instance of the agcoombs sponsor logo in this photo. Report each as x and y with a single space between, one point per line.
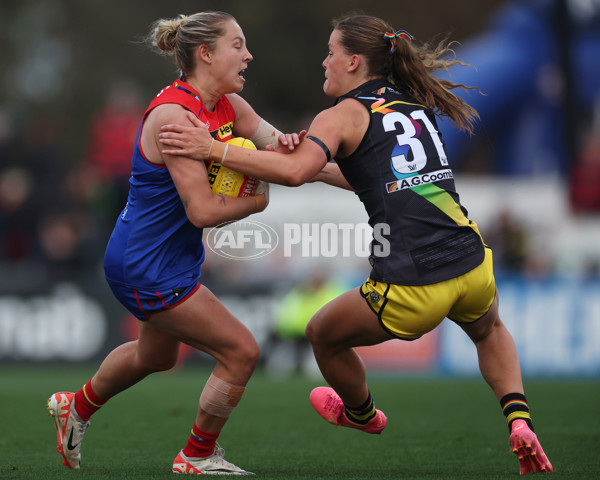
416 180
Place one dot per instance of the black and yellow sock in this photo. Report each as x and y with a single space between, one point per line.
514 406
362 414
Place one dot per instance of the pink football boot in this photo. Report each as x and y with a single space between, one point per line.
329 405
525 444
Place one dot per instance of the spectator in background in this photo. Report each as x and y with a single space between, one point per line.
509 242
106 166
585 174
69 241
42 225
16 241
15 190
295 310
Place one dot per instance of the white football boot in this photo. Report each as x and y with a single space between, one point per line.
215 464
69 427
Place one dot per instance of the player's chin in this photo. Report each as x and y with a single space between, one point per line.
239 82
235 86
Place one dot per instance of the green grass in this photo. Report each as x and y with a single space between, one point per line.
437 429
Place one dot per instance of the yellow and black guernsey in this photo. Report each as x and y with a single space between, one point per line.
400 172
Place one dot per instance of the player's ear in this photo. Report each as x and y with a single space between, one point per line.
204 54
354 63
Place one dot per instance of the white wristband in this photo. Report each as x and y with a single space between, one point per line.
209 150
224 154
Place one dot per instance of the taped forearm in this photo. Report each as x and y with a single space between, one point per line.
266 134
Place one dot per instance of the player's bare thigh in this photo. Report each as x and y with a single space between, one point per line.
156 349
346 321
203 322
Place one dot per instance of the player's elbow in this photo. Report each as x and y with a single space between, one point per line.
292 182
202 217
200 221
295 178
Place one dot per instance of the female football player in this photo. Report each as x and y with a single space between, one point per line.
153 258
433 263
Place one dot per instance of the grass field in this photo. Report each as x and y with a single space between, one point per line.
437 429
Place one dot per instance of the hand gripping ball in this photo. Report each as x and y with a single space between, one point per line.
231 182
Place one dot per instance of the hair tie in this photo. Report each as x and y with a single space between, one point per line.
392 37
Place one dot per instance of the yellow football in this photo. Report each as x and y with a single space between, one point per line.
231 182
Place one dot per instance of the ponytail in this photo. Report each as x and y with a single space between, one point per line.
412 69
395 57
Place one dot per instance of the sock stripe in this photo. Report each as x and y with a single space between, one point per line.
87 397
87 402
362 411
513 403
200 443
203 436
514 406
363 414
515 415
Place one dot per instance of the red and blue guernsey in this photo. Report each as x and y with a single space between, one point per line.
154 254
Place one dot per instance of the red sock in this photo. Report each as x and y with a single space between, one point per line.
87 402
200 443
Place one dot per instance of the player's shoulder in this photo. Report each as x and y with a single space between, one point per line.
167 113
347 105
348 114
238 103
341 111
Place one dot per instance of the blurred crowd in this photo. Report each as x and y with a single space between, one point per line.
57 208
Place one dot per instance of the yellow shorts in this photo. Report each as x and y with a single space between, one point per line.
408 312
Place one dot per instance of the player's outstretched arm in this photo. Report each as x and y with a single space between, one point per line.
248 124
291 169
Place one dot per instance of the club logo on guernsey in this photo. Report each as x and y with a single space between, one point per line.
416 180
374 297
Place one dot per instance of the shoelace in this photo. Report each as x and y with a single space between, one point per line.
83 427
218 454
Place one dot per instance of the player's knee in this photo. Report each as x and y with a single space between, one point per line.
245 356
481 333
314 332
252 355
310 332
484 328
